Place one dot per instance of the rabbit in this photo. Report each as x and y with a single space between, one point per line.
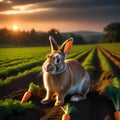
63 77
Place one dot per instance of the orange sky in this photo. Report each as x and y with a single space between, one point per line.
64 15
45 26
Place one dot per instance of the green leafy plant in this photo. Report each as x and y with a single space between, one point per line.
88 63
67 108
116 82
105 64
113 93
9 106
33 88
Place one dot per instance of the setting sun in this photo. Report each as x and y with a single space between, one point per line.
15 28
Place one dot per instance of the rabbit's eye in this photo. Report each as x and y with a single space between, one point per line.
58 60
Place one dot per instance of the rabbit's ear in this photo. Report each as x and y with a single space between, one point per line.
54 45
66 46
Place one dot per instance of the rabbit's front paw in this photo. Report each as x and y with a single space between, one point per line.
44 101
58 103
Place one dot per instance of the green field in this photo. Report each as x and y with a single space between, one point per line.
22 61
112 47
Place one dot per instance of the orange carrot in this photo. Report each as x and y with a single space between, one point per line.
65 116
26 96
67 109
117 115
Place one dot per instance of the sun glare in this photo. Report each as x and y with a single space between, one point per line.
15 27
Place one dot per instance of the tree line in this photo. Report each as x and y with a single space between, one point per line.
35 38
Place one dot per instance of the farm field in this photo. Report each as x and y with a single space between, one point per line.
18 62
20 66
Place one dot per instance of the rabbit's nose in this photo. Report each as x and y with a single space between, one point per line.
49 67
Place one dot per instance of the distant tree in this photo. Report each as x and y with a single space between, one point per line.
78 39
93 39
56 34
112 33
4 36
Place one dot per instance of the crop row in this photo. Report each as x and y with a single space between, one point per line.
112 47
82 55
14 69
112 53
75 53
19 75
27 60
105 64
30 62
111 57
9 55
78 50
115 54
88 62
14 56
19 62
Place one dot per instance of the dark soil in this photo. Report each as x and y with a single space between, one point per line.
96 64
95 107
81 59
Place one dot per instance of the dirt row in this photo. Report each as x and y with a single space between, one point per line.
112 56
81 59
114 60
14 71
20 84
117 55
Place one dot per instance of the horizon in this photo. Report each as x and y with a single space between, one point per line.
64 15
18 30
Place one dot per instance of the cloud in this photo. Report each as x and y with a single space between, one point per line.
23 2
24 9
84 3
95 14
8 5
90 12
58 5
